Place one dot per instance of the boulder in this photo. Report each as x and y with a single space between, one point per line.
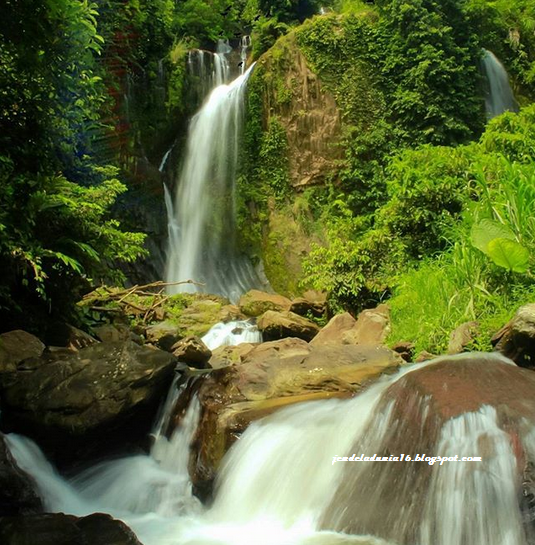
17 346
61 529
462 336
112 333
371 327
86 402
192 351
163 335
454 405
67 336
405 350
18 495
516 340
261 379
255 303
278 325
333 332
312 303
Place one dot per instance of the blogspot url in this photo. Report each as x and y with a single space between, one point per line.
431 460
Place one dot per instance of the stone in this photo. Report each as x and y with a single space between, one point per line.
405 350
278 325
417 415
87 402
112 333
258 380
516 340
18 492
424 355
163 335
17 346
312 303
372 327
333 332
61 529
255 303
68 336
461 337
192 351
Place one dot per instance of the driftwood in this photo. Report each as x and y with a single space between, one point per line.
97 299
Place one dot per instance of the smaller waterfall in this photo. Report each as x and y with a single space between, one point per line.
231 334
245 45
499 95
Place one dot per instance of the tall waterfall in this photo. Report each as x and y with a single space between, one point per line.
278 484
203 216
499 95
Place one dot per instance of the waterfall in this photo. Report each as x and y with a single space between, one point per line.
279 485
245 45
204 207
499 95
231 334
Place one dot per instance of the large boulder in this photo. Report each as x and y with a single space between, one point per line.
192 351
278 325
311 303
255 302
61 529
372 326
261 379
18 494
17 346
468 405
516 339
83 403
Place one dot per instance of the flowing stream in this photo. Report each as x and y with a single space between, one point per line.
499 95
279 486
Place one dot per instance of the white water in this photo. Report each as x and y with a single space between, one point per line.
204 206
278 486
499 96
231 334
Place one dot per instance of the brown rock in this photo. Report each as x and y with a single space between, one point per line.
405 350
271 375
461 337
424 355
68 336
193 351
278 325
372 327
417 407
112 333
17 346
333 332
255 302
163 334
516 340
312 303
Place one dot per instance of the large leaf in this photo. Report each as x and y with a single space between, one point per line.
509 254
484 232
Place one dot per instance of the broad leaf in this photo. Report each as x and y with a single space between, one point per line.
484 232
509 254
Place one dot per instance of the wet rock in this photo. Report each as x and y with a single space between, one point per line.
454 406
462 336
17 346
84 403
229 355
424 355
18 495
279 325
255 303
60 529
192 351
516 340
264 378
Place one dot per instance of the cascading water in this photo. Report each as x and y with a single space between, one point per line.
204 208
278 484
499 95
245 45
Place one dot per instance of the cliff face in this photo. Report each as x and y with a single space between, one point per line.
295 96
